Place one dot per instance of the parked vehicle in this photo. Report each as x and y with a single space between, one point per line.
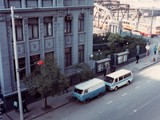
85 91
117 79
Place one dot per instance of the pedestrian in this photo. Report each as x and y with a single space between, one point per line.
104 72
15 105
25 109
137 58
155 50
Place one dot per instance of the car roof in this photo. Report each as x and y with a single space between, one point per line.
89 83
118 73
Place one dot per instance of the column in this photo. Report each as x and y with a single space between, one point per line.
89 35
59 41
41 37
5 71
23 3
2 4
26 39
75 38
39 3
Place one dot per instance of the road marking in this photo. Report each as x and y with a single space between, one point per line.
109 102
137 87
135 110
145 104
124 94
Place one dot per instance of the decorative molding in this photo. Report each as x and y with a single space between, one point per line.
2 18
20 49
49 44
68 40
34 46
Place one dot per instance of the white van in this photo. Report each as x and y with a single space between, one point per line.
117 79
89 89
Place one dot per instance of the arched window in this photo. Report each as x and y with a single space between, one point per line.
68 24
81 22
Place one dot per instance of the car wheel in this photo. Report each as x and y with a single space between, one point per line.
116 88
128 82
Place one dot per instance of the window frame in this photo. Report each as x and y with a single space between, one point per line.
47 21
33 25
68 24
81 23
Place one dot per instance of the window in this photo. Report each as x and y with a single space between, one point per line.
18 29
108 79
68 24
15 3
116 80
120 78
32 3
22 72
46 3
81 23
68 57
34 59
78 91
48 28
127 75
81 53
49 54
33 28
86 91
21 64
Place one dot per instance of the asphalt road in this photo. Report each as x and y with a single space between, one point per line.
138 101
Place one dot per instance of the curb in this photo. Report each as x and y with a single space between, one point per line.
48 111
149 65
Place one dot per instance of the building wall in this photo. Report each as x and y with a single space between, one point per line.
57 43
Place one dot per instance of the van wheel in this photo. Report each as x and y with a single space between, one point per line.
116 88
87 100
100 94
128 82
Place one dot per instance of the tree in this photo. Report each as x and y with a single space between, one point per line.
116 42
46 80
84 71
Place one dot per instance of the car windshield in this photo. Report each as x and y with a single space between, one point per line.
78 90
108 79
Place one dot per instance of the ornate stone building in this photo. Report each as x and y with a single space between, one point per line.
62 28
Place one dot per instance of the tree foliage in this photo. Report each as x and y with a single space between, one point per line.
46 80
84 71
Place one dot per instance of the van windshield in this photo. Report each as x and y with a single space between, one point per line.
108 79
78 90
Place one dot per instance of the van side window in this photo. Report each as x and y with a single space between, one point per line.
120 78
127 75
86 91
116 80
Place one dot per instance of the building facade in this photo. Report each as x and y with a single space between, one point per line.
62 28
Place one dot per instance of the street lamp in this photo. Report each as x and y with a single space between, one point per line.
91 58
17 66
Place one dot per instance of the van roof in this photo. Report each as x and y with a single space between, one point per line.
118 73
89 83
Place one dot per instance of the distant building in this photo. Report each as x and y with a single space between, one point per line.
62 28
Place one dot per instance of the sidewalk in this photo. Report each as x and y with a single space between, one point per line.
59 101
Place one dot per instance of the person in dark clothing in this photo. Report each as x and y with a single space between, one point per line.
137 58
15 105
25 109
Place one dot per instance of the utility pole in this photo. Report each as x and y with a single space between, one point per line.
16 65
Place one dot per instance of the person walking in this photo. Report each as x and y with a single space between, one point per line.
155 49
137 58
25 109
15 105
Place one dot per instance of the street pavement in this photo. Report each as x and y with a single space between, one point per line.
62 100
